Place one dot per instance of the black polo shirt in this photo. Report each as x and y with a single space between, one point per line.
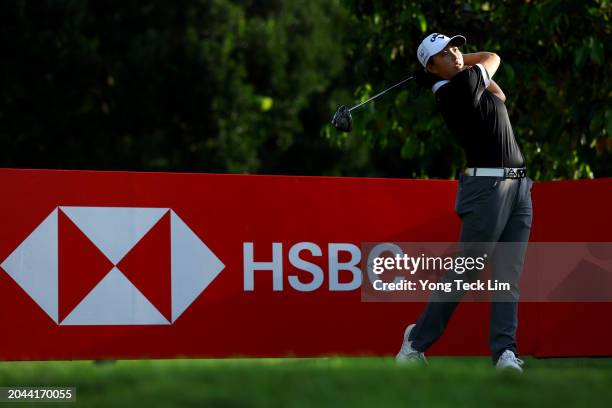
478 119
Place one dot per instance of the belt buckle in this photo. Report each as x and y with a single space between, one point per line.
515 173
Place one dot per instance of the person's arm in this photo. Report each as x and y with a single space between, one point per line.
480 67
496 90
488 60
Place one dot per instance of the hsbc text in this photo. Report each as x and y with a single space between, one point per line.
351 255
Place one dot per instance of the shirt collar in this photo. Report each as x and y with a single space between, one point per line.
439 84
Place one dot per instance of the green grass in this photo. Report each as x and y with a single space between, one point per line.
335 381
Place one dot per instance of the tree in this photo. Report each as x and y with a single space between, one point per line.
247 86
197 85
553 71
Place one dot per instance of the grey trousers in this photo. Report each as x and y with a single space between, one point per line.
492 209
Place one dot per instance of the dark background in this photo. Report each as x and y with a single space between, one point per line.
250 86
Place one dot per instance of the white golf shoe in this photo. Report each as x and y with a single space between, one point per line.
407 354
508 360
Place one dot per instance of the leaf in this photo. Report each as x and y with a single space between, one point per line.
597 51
266 103
422 23
509 73
411 148
579 56
596 124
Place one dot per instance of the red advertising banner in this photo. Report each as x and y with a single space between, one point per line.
101 265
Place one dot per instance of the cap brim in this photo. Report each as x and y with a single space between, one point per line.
457 40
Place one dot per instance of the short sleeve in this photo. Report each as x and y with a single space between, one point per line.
485 75
474 81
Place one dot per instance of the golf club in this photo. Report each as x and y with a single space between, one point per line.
343 121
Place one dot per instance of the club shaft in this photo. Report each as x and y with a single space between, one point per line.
380 93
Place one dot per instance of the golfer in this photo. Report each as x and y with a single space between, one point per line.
493 196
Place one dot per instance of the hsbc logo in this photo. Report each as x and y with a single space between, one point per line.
113 266
145 266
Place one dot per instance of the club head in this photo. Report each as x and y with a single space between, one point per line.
342 120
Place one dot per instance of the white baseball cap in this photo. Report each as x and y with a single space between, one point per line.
434 43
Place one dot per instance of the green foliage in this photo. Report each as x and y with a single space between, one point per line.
554 73
212 85
249 86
